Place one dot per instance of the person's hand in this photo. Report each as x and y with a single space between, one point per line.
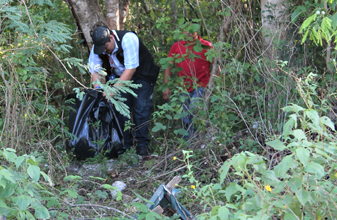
111 95
166 95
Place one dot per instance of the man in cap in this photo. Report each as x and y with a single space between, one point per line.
124 56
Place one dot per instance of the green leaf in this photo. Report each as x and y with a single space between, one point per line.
197 47
101 194
180 131
46 178
18 161
230 190
41 212
224 170
315 168
299 10
23 201
303 155
223 213
7 191
327 121
334 21
6 211
34 172
295 206
33 161
7 175
299 134
52 202
141 207
108 187
288 126
295 183
71 178
303 196
292 108
271 175
215 210
276 144
158 126
153 16
152 216
313 115
282 168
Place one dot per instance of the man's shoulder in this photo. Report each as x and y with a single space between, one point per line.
125 34
178 43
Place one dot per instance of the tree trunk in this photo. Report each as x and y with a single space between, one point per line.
112 13
86 13
273 16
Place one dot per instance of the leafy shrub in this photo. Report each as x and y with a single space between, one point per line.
299 182
22 196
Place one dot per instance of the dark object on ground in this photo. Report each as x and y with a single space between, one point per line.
95 127
143 151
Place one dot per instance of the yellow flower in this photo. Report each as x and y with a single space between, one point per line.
174 158
176 184
268 188
193 186
285 207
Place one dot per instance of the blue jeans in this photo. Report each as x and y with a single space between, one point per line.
189 106
140 108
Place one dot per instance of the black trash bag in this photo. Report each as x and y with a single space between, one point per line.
95 126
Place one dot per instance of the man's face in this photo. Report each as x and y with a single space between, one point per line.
110 45
188 30
194 35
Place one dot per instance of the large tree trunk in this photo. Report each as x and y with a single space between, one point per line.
88 13
273 17
116 12
112 13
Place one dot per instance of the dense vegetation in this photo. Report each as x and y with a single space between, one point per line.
266 148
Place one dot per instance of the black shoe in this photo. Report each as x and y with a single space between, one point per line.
143 151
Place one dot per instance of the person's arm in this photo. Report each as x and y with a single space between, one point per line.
95 64
95 77
167 92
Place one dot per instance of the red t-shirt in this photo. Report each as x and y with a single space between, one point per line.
199 68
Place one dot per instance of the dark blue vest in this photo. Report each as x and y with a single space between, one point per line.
147 69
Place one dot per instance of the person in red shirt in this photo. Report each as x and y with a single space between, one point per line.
195 71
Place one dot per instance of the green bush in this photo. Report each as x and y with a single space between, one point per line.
22 194
298 182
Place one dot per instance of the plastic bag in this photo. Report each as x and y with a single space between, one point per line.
95 127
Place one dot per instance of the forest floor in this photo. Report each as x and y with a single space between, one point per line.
143 176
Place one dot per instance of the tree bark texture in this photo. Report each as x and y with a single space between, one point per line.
273 17
112 13
124 10
86 13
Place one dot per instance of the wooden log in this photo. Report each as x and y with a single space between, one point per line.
159 210
170 186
